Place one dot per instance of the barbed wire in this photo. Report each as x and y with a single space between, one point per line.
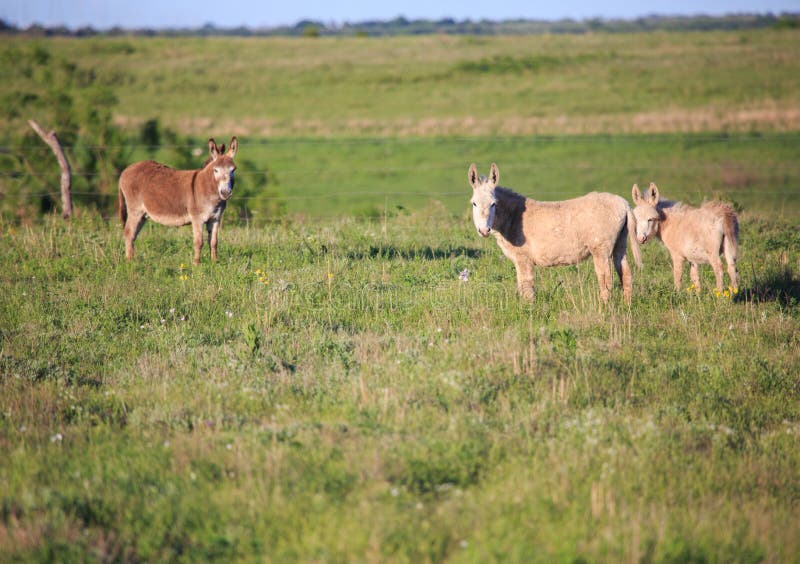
381 194
314 192
792 138
398 169
788 137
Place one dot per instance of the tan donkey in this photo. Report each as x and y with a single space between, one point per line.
172 197
698 235
533 233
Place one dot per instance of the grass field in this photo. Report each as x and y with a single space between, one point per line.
444 85
332 390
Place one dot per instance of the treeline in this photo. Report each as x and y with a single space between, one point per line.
404 26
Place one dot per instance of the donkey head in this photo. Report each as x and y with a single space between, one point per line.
645 212
223 165
483 200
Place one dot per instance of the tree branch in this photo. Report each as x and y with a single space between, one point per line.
66 172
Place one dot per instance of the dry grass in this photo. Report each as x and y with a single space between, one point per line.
768 118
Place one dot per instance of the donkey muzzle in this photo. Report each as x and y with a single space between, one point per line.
225 193
484 231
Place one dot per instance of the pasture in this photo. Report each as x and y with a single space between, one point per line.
335 391
356 379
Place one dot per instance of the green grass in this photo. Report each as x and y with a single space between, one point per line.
331 390
442 85
372 177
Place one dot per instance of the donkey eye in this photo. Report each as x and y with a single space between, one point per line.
474 204
216 169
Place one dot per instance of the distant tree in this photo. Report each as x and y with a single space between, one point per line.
311 31
6 27
788 21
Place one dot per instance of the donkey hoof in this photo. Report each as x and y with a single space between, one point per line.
525 293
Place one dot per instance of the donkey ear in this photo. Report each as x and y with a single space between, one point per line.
233 147
652 194
472 175
636 194
212 148
494 174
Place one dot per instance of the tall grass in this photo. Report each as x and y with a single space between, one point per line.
333 390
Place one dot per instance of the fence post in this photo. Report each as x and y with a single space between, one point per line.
66 173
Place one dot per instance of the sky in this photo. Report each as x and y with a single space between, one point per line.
104 14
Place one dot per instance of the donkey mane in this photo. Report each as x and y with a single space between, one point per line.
511 200
510 206
673 207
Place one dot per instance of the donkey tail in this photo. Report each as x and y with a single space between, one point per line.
637 252
730 227
730 232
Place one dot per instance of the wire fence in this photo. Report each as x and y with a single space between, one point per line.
297 184
787 138
374 193
790 140
456 166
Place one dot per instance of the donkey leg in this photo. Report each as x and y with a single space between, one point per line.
602 268
677 271
133 224
623 269
197 231
730 258
733 274
716 265
694 272
524 269
625 277
213 236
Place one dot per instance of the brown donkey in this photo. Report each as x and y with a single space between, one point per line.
698 235
172 197
532 233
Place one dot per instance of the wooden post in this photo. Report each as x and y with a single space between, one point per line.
66 173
